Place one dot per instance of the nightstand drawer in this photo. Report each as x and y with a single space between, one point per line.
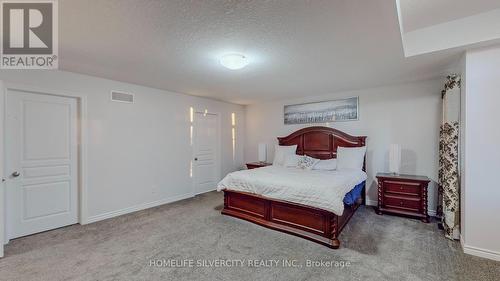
404 188
399 202
403 195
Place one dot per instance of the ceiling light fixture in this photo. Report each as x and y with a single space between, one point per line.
234 61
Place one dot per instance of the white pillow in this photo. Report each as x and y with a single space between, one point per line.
307 162
326 165
350 157
281 152
291 161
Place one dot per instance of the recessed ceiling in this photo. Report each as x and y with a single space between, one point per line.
419 14
296 48
429 26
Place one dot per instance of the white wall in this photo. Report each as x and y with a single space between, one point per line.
481 204
138 154
2 176
406 114
462 162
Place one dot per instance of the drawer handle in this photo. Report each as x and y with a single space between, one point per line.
401 203
401 187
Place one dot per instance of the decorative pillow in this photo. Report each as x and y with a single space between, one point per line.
350 157
291 161
281 152
326 165
306 162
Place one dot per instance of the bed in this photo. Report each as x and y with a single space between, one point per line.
316 213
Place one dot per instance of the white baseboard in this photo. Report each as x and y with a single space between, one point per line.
207 191
483 253
370 202
136 208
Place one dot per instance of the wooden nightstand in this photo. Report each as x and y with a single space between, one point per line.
403 195
254 165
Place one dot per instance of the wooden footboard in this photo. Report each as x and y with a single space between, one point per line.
315 224
311 223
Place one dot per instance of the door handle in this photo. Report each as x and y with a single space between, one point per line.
196 159
15 174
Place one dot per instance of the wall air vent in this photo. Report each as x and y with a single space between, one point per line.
122 97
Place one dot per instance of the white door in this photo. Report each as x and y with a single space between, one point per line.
206 164
41 162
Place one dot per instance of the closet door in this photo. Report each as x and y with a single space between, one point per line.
206 161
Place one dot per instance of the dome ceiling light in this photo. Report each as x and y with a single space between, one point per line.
234 61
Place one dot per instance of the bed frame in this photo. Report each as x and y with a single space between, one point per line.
308 222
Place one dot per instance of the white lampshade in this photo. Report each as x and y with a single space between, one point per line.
394 158
262 152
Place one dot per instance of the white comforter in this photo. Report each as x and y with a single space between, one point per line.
321 189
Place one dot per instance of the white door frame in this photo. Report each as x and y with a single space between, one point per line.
218 148
82 146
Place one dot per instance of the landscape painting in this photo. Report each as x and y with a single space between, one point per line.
322 112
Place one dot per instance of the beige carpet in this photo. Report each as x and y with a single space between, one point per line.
193 231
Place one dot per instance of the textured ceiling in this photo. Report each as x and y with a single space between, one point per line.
296 48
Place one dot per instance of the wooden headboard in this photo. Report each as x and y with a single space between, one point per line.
321 142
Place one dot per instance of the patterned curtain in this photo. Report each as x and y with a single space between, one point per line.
449 177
